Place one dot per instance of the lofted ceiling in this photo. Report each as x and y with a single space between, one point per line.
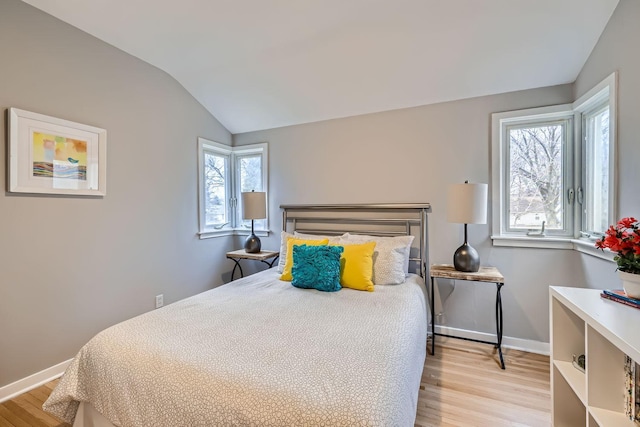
260 64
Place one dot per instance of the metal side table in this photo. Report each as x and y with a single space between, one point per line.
262 256
485 274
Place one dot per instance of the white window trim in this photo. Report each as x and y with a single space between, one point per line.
607 87
235 228
583 245
244 150
593 97
207 145
498 157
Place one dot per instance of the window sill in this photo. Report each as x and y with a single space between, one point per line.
587 246
533 242
231 232
584 246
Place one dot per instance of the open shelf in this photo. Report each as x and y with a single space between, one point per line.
604 331
574 378
605 417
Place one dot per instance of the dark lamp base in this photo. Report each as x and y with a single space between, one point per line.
466 259
252 245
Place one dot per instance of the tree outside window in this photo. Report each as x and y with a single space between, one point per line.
535 176
215 186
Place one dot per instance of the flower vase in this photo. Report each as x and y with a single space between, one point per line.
631 284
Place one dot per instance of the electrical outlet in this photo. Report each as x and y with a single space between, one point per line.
159 301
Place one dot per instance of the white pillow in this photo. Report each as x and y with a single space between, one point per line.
283 244
333 240
283 250
390 257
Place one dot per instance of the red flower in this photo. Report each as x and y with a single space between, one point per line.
627 222
612 242
623 238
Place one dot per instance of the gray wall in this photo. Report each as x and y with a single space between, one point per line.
617 50
411 155
70 267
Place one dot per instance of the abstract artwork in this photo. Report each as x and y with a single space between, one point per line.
59 157
55 156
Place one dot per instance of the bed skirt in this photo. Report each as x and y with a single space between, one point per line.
88 416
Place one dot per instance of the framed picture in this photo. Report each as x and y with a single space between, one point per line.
55 156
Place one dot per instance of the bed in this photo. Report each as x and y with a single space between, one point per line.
259 351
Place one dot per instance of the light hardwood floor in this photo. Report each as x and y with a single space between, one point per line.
462 385
26 409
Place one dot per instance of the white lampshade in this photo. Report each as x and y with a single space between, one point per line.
467 203
254 205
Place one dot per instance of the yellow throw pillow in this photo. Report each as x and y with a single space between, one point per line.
356 266
288 265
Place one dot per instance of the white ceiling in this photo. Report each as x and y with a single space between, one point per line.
259 64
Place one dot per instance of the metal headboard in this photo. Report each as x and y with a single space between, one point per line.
391 219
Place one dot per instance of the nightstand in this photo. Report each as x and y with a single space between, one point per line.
485 275
262 256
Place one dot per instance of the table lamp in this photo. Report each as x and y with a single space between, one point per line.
467 204
254 206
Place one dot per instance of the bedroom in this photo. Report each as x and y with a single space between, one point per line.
140 240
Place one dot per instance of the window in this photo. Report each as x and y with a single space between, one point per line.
216 189
596 138
537 174
538 155
553 166
225 172
249 176
596 192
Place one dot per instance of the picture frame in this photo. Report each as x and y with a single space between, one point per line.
48 155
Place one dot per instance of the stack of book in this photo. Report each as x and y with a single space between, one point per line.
618 295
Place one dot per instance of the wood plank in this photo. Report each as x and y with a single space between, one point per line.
260 256
5 422
448 271
23 414
8 413
40 393
26 409
52 384
34 407
462 385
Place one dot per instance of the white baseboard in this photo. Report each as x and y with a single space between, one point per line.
531 346
14 389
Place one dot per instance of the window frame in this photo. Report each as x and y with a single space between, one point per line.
577 239
238 154
218 149
234 225
501 122
565 119
604 93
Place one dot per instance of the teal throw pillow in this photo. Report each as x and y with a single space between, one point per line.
316 267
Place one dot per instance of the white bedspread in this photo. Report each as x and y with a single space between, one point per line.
258 351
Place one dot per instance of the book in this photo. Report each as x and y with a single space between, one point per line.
629 388
618 295
618 300
632 389
636 393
